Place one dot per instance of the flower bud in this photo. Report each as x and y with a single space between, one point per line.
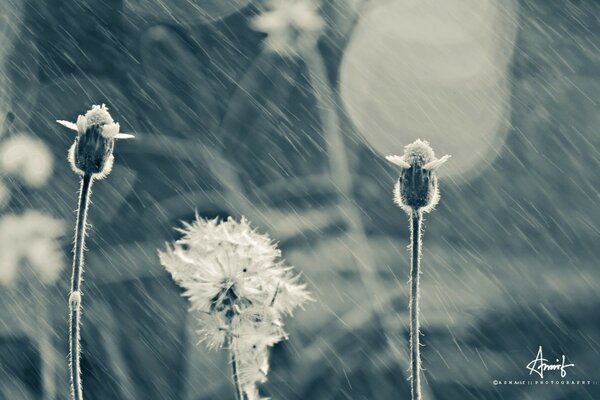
92 152
417 187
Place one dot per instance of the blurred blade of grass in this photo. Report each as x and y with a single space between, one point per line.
181 98
117 365
283 225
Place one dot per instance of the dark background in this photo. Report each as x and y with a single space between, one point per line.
511 255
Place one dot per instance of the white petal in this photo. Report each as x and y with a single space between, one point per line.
70 125
398 161
110 131
435 164
81 124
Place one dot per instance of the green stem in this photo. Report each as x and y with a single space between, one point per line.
415 351
75 296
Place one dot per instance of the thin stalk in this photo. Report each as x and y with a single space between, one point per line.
239 392
47 349
340 168
75 296
415 350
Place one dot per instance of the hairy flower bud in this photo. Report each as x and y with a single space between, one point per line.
92 152
417 187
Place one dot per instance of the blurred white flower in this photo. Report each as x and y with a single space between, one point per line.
291 26
31 239
26 157
236 282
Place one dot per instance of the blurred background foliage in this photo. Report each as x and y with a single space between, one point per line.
225 128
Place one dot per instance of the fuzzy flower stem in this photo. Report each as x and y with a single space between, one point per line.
416 218
75 296
416 192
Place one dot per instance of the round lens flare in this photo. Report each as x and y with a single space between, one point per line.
432 70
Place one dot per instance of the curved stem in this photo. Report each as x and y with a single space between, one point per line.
415 351
75 296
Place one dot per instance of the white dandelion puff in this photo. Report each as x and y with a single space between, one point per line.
240 290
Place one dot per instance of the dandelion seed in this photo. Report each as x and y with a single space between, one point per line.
291 26
240 291
91 157
416 192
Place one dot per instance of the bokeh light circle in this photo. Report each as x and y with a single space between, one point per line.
432 70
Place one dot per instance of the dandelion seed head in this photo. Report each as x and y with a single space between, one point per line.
223 263
239 288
